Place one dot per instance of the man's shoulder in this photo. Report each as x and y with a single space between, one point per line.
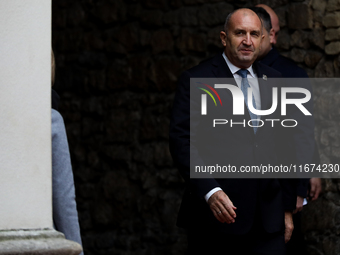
203 69
263 69
284 60
288 68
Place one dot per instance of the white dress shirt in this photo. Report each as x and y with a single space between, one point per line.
254 84
252 80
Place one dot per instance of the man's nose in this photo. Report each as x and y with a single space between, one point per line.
247 40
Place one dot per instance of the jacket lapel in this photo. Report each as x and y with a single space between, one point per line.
265 89
221 69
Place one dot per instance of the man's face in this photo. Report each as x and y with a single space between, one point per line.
275 22
243 41
266 45
276 28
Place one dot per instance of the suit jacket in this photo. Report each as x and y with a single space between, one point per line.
265 199
65 215
285 66
289 69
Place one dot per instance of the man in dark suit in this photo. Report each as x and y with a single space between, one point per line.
271 57
236 216
269 54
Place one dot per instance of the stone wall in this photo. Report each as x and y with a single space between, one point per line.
117 66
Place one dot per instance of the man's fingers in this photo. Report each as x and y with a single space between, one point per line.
299 209
222 207
229 207
311 193
289 226
317 193
315 188
223 214
312 189
227 216
299 204
218 216
288 234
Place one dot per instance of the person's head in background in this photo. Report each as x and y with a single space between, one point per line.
268 31
274 19
52 67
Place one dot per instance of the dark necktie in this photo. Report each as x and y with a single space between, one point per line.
244 87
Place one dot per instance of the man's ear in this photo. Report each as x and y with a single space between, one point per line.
272 36
262 37
223 37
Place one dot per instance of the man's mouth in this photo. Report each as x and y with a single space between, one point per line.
246 51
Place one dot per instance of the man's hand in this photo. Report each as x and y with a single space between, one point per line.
289 226
222 207
315 188
299 204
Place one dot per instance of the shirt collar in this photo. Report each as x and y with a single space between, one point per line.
234 68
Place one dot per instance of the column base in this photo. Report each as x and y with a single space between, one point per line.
36 241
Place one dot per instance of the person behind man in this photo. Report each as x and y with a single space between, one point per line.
274 22
271 57
269 54
236 216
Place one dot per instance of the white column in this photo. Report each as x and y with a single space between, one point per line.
25 132
25 109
